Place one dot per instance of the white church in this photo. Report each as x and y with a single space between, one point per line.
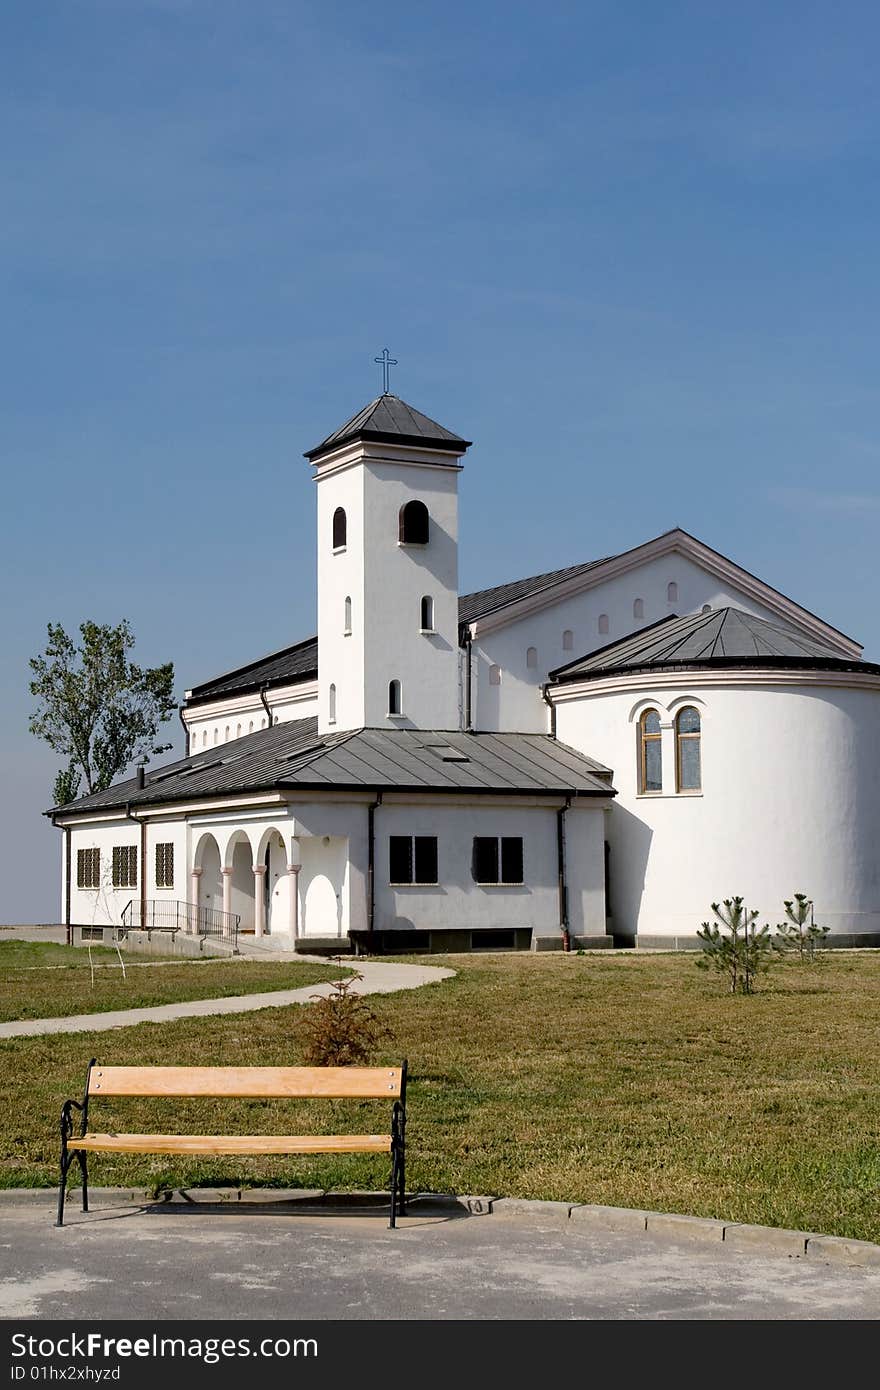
586 757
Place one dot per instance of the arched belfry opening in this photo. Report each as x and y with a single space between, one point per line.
414 524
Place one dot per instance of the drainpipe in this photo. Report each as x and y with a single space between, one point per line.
468 683
180 709
549 703
371 870
67 851
142 856
563 889
263 689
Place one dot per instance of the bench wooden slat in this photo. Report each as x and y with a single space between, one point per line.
233 1143
263 1082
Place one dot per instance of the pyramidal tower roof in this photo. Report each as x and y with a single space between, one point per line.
389 420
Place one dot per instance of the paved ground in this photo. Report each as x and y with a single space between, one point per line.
189 1261
380 977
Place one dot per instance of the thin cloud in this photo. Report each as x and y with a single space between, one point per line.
799 499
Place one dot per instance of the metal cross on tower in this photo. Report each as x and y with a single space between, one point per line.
386 362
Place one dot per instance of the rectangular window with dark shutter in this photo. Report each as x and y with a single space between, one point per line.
165 866
88 868
511 859
425 859
400 859
125 859
498 860
412 859
485 859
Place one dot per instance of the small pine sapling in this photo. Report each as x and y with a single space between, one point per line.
800 934
736 948
340 1029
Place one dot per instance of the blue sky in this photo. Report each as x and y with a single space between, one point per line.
629 249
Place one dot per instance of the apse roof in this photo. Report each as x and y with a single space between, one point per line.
721 637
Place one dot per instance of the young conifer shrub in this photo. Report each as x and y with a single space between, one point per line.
800 934
340 1029
735 946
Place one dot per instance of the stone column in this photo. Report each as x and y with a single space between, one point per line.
259 899
194 887
227 889
293 899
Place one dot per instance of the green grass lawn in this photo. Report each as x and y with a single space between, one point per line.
44 980
628 1080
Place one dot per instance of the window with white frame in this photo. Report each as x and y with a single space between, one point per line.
497 859
125 866
412 859
165 865
88 868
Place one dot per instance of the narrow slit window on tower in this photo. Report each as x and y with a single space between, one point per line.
332 710
568 640
639 608
426 614
340 529
413 526
346 631
494 675
532 658
603 625
394 698
672 592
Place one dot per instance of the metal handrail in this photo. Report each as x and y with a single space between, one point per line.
172 914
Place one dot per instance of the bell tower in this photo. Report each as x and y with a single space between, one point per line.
388 571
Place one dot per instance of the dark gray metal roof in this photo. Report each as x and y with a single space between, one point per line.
477 605
296 663
300 662
293 755
721 637
389 420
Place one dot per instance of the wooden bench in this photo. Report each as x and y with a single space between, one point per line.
263 1083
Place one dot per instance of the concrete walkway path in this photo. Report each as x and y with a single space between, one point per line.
379 977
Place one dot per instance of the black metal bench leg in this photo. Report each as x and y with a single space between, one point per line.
62 1186
395 1163
83 1164
401 1203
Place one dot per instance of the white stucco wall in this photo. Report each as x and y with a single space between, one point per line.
516 704
457 902
103 906
790 800
386 581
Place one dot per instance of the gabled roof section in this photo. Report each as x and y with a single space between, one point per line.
293 755
389 420
680 542
723 637
290 664
477 605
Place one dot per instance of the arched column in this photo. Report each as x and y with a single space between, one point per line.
293 867
226 871
195 878
259 899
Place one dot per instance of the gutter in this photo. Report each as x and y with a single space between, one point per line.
551 706
263 689
467 643
67 851
371 869
142 852
180 709
563 887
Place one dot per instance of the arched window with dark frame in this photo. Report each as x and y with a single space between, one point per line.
394 705
426 614
688 736
650 754
331 712
340 529
346 630
414 524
